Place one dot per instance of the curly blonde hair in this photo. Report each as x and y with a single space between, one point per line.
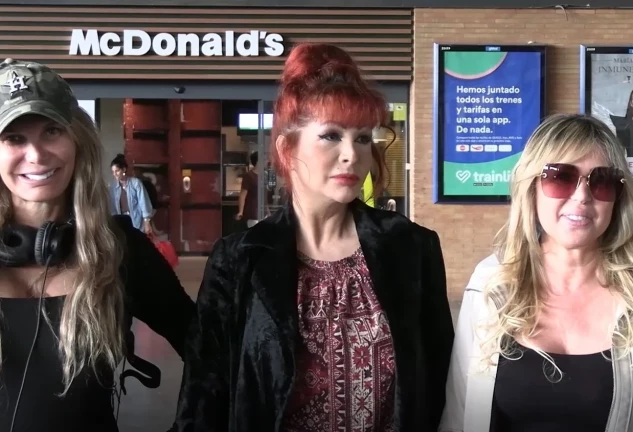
516 288
91 321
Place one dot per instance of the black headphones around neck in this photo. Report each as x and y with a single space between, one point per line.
22 245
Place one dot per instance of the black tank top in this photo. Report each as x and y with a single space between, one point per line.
526 401
85 408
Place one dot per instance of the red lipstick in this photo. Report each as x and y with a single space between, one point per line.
346 179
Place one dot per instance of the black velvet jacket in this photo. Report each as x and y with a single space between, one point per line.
239 363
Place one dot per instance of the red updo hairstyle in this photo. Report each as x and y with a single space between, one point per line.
322 82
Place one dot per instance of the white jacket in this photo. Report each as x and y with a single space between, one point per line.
469 395
470 390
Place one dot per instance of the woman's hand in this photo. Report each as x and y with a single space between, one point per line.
147 226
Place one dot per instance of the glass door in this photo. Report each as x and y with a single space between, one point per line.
392 143
395 149
270 186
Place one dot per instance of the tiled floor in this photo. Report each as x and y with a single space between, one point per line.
153 410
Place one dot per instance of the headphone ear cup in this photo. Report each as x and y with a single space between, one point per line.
16 248
41 247
62 241
54 243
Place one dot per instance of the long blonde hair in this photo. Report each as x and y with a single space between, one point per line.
90 332
516 288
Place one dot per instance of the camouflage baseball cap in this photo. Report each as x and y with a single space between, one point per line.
32 88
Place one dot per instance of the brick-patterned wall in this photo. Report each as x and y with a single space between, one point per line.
467 232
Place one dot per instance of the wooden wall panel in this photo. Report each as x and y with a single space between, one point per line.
380 40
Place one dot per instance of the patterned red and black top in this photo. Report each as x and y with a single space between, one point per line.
345 377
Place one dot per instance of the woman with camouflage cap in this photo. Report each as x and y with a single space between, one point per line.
71 276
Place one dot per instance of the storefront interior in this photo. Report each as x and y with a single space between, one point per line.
195 152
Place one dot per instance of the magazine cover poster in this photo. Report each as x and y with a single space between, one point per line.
612 95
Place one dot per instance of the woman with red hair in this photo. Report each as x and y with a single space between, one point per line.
329 315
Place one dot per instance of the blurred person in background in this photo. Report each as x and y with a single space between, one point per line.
129 197
247 202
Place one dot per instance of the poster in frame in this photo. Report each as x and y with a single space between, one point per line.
488 99
606 90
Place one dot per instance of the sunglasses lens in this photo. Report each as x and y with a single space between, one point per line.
559 180
606 184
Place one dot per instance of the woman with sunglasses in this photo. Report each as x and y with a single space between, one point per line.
543 341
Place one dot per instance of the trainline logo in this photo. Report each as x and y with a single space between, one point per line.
462 176
486 177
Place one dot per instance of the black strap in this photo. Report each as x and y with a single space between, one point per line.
147 373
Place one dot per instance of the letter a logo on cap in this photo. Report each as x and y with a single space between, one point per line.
15 83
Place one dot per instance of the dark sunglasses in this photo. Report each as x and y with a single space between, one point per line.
561 180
